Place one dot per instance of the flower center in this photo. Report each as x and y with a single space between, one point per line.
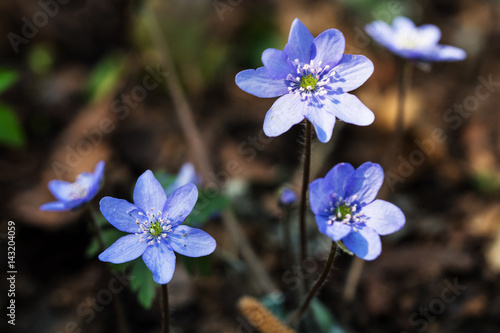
346 212
308 82
80 188
342 212
409 40
155 227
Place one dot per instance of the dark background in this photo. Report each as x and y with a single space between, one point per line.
81 64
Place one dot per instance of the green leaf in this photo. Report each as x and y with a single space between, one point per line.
11 132
41 58
105 77
324 319
201 265
206 206
164 178
7 78
142 282
344 248
275 303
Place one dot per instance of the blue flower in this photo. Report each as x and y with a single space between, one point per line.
345 208
287 197
154 226
406 40
75 195
312 76
187 174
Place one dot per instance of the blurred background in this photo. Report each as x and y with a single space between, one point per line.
85 80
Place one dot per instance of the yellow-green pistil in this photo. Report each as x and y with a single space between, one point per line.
155 229
342 211
308 82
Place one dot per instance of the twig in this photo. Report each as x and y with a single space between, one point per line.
200 156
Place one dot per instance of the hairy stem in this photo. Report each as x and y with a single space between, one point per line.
303 308
165 311
303 193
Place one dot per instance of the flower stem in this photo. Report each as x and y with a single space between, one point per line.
303 194
404 82
303 308
403 86
165 311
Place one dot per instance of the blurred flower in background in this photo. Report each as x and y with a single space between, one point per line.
187 174
74 195
287 197
406 40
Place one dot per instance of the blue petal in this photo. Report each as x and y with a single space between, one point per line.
277 64
259 83
180 203
365 243
191 242
287 197
428 35
445 53
335 231
54 206
384 217
321 190
61 189
338 176
125 249
365 183
287 111
328 48
148 193
160 260
349 109
381 32
187 174
353 71
300 42
121 214
96 179
319 196
323 121
403 24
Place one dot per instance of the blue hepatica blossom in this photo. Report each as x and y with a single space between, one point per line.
187 174
287 197
154 226
312 76
345 208
75 195
406 40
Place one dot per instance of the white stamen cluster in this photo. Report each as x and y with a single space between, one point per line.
345 211
79 189
409 40
323 75
156 227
